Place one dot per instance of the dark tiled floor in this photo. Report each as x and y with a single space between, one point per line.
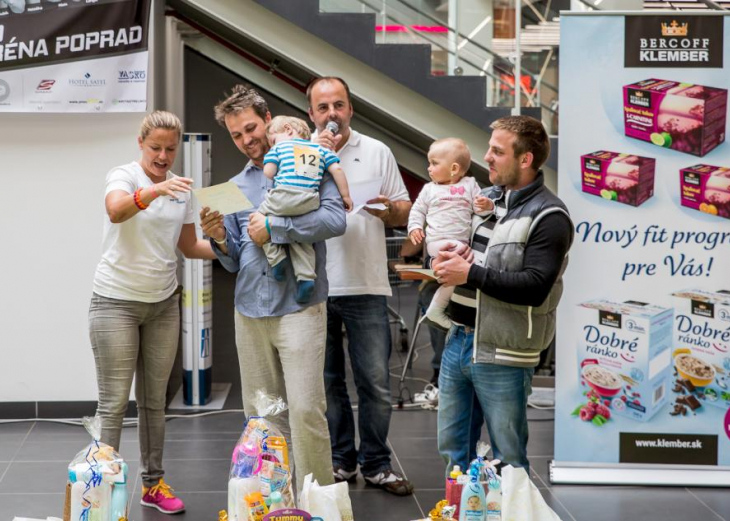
33 459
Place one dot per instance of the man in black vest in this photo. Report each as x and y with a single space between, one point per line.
516 283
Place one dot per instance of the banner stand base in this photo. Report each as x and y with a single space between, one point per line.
219 393
564 473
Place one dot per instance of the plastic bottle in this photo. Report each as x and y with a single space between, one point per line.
96 501
246 460
120 495
494 501
276 501
473 500
455 473
257 508
238 489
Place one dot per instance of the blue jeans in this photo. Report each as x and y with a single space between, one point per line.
499 391
368 341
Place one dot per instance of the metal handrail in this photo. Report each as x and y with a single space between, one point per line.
476 66
475 44
436 43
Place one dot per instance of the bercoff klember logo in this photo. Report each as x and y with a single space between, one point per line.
675 41
639 98
675 45
674 29
610 319
592 164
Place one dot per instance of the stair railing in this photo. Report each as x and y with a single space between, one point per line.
498 71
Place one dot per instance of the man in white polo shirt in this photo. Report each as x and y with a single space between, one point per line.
357 269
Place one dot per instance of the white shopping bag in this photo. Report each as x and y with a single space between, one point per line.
521 501
331 503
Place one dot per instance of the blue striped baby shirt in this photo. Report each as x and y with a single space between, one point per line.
300 163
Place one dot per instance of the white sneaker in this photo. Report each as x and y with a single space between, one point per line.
430 394
391 481
340 474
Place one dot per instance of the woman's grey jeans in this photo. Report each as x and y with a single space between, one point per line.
135 337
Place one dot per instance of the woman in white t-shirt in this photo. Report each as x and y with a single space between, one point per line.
134 317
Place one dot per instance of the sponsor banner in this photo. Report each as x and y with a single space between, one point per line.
643 360
75 56
673 41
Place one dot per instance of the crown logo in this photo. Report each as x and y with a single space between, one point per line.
674 29
639 94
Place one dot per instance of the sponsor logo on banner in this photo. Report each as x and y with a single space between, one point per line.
639 98
87 81
691 178
592 164
45 86
4 90
673 41
607 318
132 76
703 309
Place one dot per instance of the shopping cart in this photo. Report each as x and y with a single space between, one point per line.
393 246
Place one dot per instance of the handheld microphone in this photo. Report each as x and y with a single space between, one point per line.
333 127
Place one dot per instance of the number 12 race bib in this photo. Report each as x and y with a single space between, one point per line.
306 161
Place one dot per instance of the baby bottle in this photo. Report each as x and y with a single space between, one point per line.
494 501
473 499
120 495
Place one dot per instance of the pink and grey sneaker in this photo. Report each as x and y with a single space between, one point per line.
161 497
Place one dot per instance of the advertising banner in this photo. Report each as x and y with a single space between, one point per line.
643 364
73 56
197 296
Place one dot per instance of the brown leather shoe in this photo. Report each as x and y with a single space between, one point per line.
391 481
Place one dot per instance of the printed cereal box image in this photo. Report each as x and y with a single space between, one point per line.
701 350
624 359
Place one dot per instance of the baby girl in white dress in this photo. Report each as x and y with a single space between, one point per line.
446 206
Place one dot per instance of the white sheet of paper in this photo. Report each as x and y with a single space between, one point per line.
363 191
225 198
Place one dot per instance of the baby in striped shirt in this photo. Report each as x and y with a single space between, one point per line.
446 205
297 167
